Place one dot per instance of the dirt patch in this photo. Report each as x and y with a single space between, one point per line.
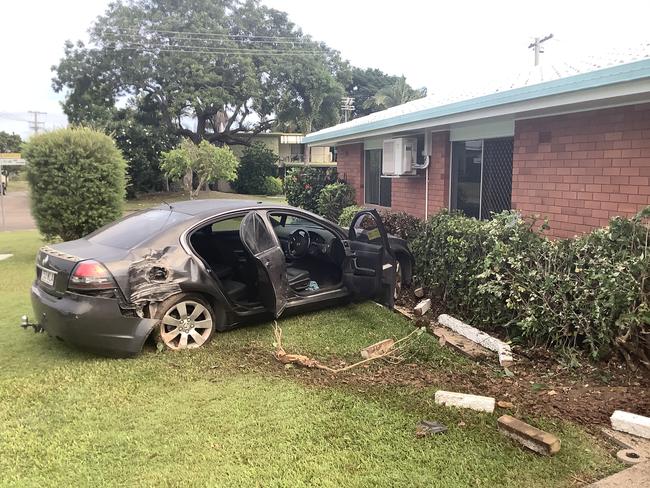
541 385
535 390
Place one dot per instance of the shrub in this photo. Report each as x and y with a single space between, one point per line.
77 181
345 219
303 186
590 292
208 162
334 198
448 256
401 224
257 162
272 185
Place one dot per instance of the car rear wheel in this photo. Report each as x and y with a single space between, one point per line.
185 322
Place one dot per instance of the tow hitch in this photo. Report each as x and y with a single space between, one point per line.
24 323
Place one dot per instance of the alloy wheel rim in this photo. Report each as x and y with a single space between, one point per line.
186 325
398 280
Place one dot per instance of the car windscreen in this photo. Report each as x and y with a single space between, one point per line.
134 229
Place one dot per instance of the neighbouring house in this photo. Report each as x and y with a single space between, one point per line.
575 149
289 147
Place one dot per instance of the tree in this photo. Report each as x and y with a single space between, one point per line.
363 85
10 143
76 176
210 164
142 141
256 164
215 70
395 94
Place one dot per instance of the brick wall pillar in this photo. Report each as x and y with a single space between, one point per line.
350 167
439 172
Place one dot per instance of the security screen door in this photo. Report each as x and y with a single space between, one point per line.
481 176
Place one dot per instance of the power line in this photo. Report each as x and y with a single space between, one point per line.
287 41
215 51
206 34
9 116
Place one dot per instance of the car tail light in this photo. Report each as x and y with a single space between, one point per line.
90 275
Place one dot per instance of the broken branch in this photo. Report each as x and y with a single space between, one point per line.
282 356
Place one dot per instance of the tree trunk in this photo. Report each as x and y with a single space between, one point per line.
187 182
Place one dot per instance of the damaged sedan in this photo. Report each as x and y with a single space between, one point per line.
179 273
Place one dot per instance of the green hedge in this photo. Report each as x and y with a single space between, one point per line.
272 186
256 164
347 214
590 292
302 186
334 198
77 181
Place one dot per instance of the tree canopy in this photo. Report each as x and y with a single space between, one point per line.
215 70
396 93
371 89
9 143
210 163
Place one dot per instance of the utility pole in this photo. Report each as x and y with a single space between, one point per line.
347 105
536 46
36 124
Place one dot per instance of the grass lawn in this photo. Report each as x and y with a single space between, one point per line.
229 415
152 199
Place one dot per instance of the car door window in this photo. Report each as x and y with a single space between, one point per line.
366 229
257 236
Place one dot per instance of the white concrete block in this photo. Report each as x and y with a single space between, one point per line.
631 423
422 307
464 400
480 337
505 356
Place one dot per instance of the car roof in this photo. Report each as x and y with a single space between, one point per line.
210 207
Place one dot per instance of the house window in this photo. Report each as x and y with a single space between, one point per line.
481 176
377 187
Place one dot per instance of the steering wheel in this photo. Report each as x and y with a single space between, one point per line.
298 243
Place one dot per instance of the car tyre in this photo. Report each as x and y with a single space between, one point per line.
185 321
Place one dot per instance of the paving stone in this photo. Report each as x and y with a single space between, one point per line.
635 477
461 344
377 349
530 437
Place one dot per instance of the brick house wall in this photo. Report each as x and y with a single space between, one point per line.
580 169
349 166
407 194
577 170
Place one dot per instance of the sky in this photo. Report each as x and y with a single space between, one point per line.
445 46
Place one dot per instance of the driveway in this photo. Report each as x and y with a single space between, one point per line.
17 214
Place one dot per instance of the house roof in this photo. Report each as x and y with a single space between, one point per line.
535 84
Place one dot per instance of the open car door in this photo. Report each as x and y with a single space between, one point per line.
259 239
369 265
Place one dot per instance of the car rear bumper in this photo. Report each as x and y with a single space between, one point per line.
93 323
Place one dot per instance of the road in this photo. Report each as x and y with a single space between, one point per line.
17 211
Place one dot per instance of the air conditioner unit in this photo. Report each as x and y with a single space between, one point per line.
399 156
